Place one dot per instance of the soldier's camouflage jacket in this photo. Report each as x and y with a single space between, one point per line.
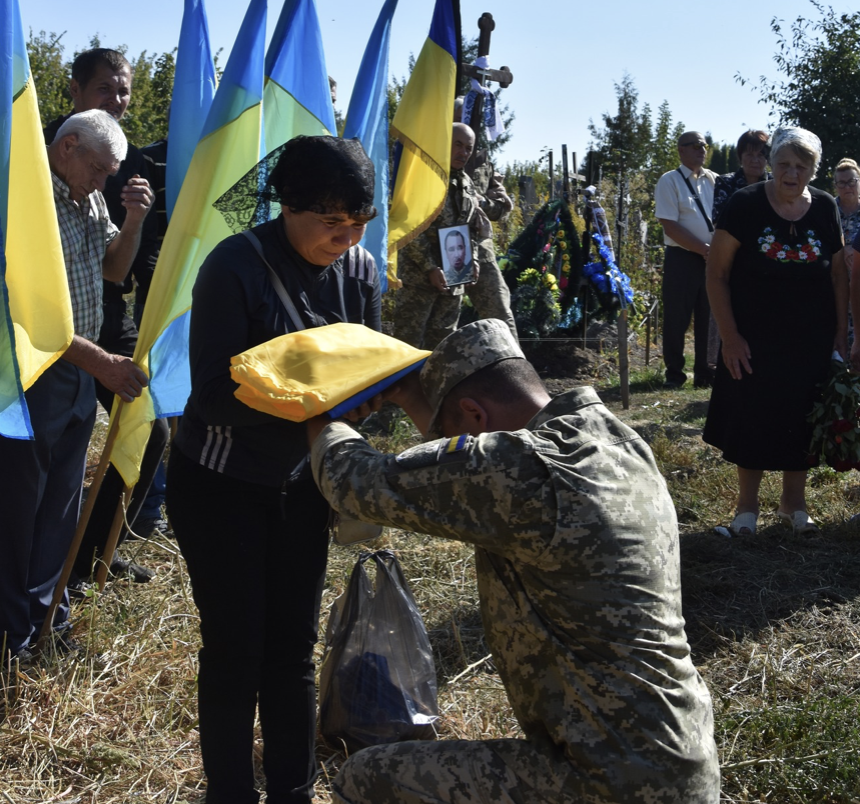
461 205
579 579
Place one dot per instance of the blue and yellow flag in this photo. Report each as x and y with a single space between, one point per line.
297 99
367 119
423 125
229 147
35 311
194 85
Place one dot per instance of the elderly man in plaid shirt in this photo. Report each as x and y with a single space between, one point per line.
42 479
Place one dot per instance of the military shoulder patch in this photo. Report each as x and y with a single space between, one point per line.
444 450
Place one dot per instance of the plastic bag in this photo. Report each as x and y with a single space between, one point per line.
378 679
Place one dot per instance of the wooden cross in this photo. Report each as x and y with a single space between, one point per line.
503 77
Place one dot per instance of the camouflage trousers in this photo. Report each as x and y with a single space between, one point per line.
456 772
490 295
422 315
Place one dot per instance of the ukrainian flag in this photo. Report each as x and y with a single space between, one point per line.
423 125
367 119
297 98
35 311
194 85
229 147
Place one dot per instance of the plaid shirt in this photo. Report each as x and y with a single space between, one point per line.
86 231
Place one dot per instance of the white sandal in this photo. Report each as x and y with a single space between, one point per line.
744 524
800 523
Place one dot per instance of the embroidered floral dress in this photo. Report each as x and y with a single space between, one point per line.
783 304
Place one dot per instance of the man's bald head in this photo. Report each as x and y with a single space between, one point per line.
462 145
692 150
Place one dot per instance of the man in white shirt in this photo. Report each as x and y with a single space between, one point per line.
684 198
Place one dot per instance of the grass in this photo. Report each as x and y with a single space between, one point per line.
773 622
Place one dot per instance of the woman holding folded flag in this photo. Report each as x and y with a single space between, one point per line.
248 517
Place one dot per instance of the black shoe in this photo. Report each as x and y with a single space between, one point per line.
149 527
79 589
120 568
703 382
671 385
22 660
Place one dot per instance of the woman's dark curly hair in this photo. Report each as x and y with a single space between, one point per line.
324 175
307 174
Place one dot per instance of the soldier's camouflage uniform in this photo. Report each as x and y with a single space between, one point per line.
490 295
422 315
578 571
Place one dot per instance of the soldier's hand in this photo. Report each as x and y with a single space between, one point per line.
365 409
121 375
437 279
482 225
137 197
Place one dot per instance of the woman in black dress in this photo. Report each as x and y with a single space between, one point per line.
777 286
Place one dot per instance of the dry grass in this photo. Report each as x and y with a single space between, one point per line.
773 621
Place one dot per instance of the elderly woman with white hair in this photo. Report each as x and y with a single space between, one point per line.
777 285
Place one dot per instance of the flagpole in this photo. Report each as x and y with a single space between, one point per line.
113 538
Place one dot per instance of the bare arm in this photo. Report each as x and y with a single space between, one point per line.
736 351
118 374
137 198
684 238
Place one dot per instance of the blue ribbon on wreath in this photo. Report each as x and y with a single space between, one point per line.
606 276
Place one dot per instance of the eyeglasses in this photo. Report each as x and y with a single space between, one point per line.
697 144
843 184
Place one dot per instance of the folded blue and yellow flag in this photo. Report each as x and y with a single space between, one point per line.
331 369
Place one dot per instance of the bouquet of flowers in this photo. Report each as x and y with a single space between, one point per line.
836 420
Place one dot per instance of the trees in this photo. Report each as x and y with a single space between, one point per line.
50 75
625 137
819 60
146 118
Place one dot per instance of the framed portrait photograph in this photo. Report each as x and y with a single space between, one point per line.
456 250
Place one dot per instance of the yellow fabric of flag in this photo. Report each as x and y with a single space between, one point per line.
422 124
36 272
303 374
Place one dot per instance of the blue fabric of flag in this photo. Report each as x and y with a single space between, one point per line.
367 119
194 85
295 57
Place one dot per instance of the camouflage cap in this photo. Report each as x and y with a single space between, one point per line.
461 354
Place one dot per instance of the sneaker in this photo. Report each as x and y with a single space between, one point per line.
120 568
150 526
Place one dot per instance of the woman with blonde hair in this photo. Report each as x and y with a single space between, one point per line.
846 178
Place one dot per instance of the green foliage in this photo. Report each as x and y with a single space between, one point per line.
819 61
722 157
50 75
835 420
625 139
147 115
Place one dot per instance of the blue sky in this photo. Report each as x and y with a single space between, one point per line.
565 56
